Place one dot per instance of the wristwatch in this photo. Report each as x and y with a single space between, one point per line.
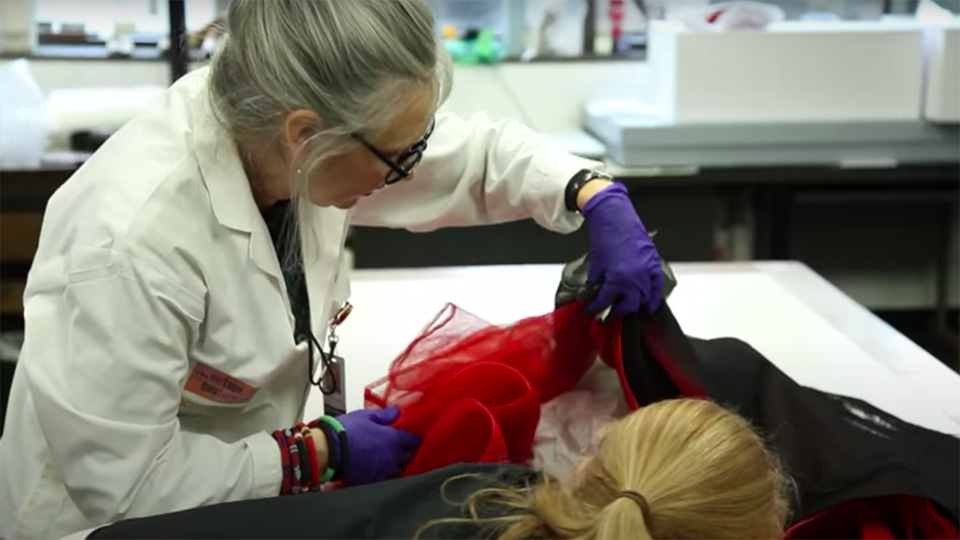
573 187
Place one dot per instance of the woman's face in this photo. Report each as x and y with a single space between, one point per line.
347 178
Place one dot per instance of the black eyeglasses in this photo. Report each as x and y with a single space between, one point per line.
405 162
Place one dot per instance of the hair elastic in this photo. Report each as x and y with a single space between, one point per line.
637 498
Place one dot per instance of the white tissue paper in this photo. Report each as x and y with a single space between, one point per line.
725 16
571 423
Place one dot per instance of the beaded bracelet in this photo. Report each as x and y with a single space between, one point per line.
298 455
311 465
307 474
284 461
294 461
314 464
344 443
298 460
333 453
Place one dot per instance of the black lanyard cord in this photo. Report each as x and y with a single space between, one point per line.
277 219
327 382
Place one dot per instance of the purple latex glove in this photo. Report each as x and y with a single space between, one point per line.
623 260
376 451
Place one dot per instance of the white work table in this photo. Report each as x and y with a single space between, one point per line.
799 321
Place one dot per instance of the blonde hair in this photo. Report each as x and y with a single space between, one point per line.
680 468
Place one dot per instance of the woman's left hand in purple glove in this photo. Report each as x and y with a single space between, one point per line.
376 450
624 262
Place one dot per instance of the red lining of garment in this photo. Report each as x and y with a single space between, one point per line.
880 518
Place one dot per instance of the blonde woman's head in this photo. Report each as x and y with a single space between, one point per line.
701 471
676 469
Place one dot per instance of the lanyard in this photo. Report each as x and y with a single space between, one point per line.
295 279
327 382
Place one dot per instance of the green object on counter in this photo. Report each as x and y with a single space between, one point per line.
485 48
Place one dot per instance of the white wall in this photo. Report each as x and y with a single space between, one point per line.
546 96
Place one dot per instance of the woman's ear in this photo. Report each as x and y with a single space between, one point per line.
299 126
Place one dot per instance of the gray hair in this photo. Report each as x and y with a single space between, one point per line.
350 61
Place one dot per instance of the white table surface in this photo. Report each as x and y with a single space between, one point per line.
803 324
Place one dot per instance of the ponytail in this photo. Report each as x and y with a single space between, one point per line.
622 518
676 469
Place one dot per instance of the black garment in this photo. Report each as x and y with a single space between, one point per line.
279 222
392 509
836 448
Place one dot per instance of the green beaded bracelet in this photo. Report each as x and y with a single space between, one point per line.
344 446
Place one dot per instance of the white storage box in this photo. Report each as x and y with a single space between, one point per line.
942 103
791 72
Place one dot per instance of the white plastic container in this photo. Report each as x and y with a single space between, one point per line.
942 100
791 72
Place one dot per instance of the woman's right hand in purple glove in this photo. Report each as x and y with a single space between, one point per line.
376 451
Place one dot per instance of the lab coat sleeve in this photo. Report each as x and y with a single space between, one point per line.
106 362
477 172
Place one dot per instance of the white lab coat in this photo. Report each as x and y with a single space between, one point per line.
155 267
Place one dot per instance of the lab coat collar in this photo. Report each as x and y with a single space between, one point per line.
230 193
223 174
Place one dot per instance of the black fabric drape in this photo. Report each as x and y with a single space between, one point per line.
836 448
392 509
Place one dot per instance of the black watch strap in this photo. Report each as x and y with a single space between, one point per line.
573 187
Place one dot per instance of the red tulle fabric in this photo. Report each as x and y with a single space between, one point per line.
473 390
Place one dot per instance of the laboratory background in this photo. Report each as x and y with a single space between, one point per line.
798 160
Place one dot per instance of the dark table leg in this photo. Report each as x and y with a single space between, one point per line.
773 226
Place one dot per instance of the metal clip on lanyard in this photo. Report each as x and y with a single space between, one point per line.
327 383
345 310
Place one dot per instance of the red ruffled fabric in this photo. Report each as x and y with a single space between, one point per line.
473 390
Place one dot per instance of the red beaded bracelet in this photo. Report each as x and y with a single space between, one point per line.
284 461
314 462
305 473
294 462
298 459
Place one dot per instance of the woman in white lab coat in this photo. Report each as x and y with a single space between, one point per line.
175 319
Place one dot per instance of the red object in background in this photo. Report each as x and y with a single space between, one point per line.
881 518
616 18
713 16
473 390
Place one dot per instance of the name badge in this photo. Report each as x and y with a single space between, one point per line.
335 403
211 383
